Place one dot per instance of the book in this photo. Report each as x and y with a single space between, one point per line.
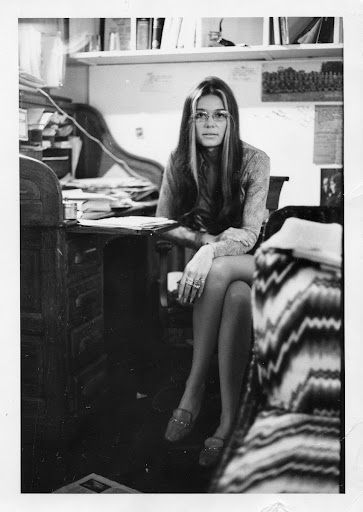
165 34
187 32
170 40
266 31
284 30
277 32
117 34
143 33
271 31
311 32
338 30
198 33
326 33
315 241
297 26
158 24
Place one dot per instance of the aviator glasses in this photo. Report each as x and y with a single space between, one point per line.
218 116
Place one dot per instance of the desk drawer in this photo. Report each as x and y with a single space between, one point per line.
84 256
32 366
87 343
85 301
90 385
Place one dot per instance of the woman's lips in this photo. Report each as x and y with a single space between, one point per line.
210 134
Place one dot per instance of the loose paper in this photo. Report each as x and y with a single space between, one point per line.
244 73
328 135
157 82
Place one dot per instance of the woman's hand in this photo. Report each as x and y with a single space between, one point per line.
208 238
192 283
238 235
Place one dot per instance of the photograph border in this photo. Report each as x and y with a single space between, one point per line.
352 499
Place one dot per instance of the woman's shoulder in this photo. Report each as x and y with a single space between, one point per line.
249 151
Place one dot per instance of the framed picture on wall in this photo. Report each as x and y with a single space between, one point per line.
302 81
331 187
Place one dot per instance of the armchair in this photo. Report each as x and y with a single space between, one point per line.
289 459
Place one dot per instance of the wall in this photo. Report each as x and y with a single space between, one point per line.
150 98
75 84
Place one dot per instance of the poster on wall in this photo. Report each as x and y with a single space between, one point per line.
305 81
331 187
328 135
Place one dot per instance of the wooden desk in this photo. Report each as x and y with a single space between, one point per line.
63 270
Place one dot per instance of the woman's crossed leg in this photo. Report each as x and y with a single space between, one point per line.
223 314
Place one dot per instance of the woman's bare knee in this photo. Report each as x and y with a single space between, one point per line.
219 274
238 295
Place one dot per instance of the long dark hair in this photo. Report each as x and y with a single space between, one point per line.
186 162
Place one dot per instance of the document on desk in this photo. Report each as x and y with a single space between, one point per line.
133 222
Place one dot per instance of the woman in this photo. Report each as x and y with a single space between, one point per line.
216 186
335 184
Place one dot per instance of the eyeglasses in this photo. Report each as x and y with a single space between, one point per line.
218 116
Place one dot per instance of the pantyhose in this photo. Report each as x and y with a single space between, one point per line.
222 315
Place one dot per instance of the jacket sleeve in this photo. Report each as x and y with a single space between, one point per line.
258 176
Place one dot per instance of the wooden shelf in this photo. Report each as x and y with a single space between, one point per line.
292 51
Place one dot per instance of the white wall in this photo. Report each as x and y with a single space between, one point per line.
75 84
151 97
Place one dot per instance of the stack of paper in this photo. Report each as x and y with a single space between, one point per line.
108 182
116 181
130 222
89 201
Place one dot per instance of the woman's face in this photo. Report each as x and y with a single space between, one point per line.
210 132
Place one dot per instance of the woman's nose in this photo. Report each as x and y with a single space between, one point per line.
210 121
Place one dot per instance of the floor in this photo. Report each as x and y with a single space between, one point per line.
124 441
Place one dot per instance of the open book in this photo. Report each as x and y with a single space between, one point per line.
314 241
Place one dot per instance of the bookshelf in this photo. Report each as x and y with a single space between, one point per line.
264 53
253 39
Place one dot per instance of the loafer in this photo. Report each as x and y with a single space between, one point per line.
212 451
180 425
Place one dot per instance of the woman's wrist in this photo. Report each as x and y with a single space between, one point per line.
208 247
208 239
203 238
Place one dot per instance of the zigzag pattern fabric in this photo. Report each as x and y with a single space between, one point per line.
293 445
